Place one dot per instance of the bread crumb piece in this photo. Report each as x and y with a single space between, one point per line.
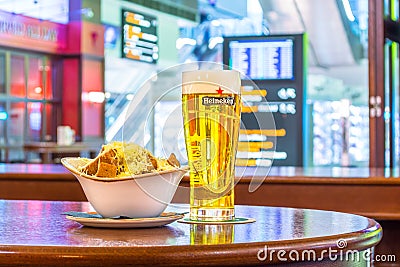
173 161
106 170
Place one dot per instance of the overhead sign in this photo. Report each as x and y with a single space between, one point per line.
139 37
29 33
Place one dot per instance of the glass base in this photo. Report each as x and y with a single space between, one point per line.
212 214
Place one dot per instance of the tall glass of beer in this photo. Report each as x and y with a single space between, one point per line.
211 106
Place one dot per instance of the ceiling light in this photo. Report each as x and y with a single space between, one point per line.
93 97
129 97
38 90
180 42
347 9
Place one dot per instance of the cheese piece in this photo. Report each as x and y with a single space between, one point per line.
119 159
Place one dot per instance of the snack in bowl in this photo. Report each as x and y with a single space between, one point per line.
125 179
119 159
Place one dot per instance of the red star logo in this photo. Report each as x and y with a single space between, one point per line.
219 91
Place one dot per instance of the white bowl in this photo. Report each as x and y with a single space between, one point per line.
138 196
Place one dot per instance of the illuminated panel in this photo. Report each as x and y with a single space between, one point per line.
139 37
263 59
273 89
266 132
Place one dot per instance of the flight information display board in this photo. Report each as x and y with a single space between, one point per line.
139 36
263 59
273 93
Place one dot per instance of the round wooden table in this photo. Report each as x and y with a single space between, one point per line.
36 233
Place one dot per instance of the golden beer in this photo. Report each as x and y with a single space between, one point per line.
211 234
211 125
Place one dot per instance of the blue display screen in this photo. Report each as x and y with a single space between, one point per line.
263 59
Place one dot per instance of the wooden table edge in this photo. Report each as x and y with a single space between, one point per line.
210 255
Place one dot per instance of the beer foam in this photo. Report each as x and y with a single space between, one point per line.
209 81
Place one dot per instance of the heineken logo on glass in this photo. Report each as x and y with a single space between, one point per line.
210 101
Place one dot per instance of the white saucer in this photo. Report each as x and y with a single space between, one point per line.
163 219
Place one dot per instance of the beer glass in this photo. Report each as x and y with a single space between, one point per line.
211 106
211 234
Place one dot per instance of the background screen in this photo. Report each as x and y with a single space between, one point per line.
264 58
139 36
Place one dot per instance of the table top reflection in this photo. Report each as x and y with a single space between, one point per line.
37 233
46 149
